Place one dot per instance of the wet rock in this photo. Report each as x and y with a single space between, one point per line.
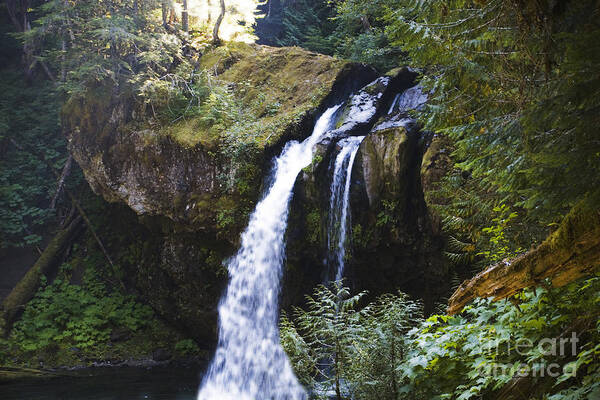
161 355
386 156
180 171
393 244
192 200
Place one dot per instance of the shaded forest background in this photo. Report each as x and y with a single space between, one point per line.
514 89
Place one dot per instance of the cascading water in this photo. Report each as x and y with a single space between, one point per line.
338 203
249 363
412 98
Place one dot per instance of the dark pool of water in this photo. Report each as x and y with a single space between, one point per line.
164 383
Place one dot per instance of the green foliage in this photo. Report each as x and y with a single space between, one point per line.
225 219
515 85
328 329
90 42
360 236
305 23
187 347
313 226
500 246
389 352
26 184
310 168
375 371
175 95
77 315
348 29
464 209
335 346
479 228
482 349
360 33
386 217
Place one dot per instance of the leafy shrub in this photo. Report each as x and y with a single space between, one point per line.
81 316
486 346
328 328
385 350
335 346
187 347
26 183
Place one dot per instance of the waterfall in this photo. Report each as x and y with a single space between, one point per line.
338 203
249 363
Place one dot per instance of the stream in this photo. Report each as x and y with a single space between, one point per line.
113 383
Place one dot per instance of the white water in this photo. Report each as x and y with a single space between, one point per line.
411 99
249 363
338 202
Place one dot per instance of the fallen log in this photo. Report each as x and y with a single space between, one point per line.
28 285
569 253
9 374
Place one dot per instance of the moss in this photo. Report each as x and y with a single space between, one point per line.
582 221
274 88
190 133
392 73
313 226
310 168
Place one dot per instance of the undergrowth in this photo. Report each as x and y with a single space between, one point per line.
545 339
68 324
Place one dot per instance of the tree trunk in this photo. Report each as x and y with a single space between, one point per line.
15 9
216 40
28 285
573 251
29 60
61 182
364 20
185 19
165 11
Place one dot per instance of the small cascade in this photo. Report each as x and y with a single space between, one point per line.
393 106
338 203
412 98
249 363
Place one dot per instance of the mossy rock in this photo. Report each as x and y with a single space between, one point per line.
206 176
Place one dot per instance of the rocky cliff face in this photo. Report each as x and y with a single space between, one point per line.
192 194
392 244
184 169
